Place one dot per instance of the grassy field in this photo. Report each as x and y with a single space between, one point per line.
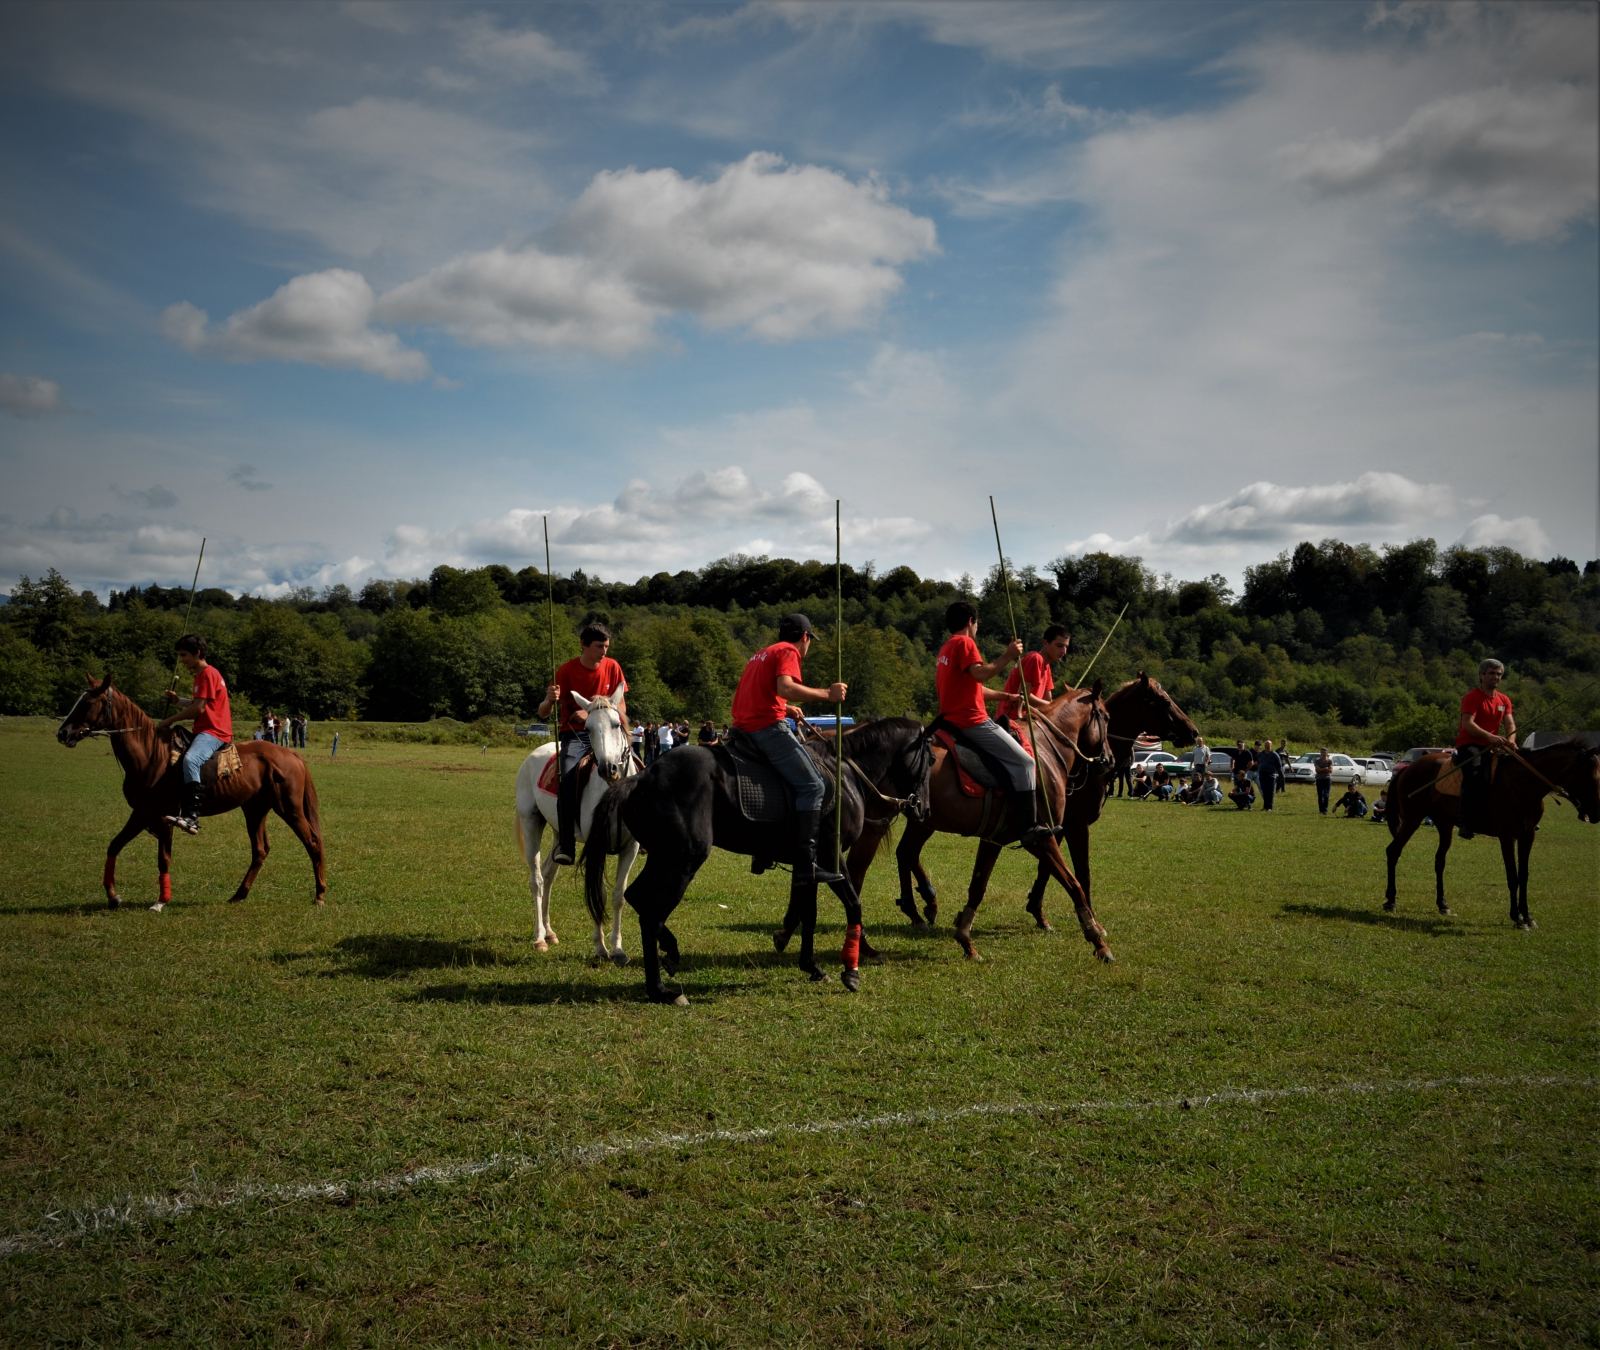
216 1052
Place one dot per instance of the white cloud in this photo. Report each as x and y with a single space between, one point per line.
320 319
523 53
1519 163
1268 511
1523 534
782 251
28 395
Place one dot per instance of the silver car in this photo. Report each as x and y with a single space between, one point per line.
1345 770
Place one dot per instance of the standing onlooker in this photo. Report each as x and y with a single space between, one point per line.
1124 776
1323 764
1200 758
1244 760
1269 773
664 739
637 738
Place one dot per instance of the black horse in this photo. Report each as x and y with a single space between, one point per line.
687 802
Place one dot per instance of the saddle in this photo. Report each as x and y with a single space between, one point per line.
549 782
763 793
1451 786
221 766
976 779
182 739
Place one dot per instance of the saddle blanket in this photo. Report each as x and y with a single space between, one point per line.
763 793
221 766
1451 786
549 783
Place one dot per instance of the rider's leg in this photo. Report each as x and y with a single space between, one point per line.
1474 762
785 753
1006 758
200 750
574 746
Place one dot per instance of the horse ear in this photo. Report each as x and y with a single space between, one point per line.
581 701
1144 679
90 678
1099 684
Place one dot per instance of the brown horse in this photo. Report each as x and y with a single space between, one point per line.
1140 707
269 778
1074 739
1510 812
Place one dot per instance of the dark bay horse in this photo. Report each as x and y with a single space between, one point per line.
1511 812
687 802
270 778
1140 707
1074 740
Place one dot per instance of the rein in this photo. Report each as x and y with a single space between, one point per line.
898 804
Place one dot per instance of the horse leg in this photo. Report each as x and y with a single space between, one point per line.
1508 856
1397 846
1446 833
163 834
855 942
803 903
1049 853
125 836
1078 847
908 857
1041 882
982 866
1524 849
299 814
255 824
625 862
650 895
549 871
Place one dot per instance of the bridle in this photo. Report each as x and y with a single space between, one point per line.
87 731
899 805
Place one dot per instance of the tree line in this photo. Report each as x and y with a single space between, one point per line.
1327 640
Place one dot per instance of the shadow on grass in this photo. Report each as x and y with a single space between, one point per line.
535 992
82 907
1435 926
377 956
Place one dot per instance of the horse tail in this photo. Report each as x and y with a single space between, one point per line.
308 804
595 848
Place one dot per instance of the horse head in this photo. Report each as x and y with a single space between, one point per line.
918 765
1583 784
608 737
94 711
1094 736
1165 715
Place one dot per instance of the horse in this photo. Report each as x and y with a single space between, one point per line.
1073 739
613 761
1510 811
1139 707
269 778
687 802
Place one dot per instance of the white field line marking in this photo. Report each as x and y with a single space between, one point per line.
137 1211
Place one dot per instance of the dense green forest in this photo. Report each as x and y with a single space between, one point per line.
1330 640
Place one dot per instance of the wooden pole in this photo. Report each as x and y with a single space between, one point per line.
1022 681
550 621
189 613
1078 684
838 708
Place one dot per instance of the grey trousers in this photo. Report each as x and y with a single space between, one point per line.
1001 753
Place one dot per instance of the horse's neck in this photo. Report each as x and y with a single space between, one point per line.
137 741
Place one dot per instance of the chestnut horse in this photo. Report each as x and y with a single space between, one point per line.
270 778
1510 812
1074 740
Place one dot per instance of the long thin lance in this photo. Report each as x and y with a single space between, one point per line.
1022 683
838 708
550 624
189 613
1078 683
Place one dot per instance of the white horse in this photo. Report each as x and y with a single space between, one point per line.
613 758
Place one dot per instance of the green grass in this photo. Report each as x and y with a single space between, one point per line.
410 1023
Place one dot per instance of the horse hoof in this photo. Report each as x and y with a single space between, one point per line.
318 901
554 940
670 965
541 946
1044 925
682 1001
818 976
780 939
619 958
851 980
921 929
1445 909
1388 906
113 902
1104 953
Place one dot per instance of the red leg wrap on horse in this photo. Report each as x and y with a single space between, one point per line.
108 878
852 947
166 887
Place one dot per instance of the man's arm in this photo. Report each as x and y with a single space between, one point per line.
193 708
1479 736
989 669
790 690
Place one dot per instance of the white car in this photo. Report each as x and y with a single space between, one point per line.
1376 772
1345 770
1150 758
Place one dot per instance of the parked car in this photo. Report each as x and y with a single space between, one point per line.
1384 755
1151 754
1221 765
1416 752
1376 772
1345 770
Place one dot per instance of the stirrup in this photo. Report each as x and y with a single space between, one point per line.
188 824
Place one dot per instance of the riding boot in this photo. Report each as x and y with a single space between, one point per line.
807 826
566 819
1024 806
188 817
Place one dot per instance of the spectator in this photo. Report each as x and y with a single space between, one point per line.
1323 764
1381 806
1244 794
637 737
1210 790
1353 804
1255 761
1243 759
1124 775
708 733
1269 775
1161 784
664 739
1140 784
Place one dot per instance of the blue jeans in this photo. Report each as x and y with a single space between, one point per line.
200 750
784 752
1324 788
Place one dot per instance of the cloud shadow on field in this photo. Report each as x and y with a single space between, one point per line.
1438 926
378 956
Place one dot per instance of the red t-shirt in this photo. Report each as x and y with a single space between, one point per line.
1040 682
575 677
960 696
1486 710
217 719
756 704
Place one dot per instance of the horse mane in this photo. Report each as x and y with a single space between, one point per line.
128 712
875 736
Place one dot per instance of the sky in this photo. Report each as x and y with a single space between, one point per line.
356 290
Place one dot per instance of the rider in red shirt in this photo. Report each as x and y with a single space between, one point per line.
591 673
1035 669
1486 725
770 681
213 727
959 678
